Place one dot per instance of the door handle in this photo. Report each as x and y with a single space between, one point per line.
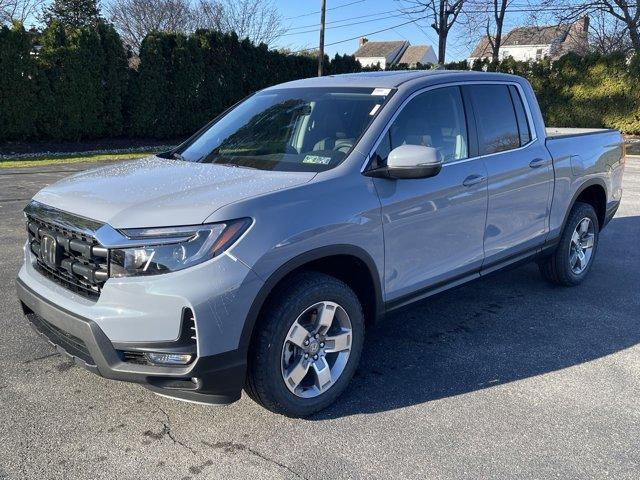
473 180
538 162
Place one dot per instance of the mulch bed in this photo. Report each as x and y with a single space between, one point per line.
44 147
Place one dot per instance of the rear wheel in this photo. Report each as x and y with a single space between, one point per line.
307 347
572 259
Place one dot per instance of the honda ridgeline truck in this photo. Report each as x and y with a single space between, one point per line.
254 254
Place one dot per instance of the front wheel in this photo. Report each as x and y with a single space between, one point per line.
307 347
572 259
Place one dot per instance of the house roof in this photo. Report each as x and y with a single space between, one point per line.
378 49
537 35
414 54
525 36
483 48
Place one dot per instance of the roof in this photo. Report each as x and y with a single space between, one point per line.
483 48
536 35
378 49
414 54
525 36
390 79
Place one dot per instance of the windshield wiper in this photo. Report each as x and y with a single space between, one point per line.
235 165
177 156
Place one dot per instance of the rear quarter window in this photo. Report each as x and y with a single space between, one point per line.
523 123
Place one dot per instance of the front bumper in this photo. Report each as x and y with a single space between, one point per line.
208 379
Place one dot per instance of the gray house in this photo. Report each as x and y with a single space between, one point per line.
387 54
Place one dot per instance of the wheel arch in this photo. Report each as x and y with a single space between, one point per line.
593 192
326 260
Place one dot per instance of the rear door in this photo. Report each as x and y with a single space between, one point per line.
519 168
433 227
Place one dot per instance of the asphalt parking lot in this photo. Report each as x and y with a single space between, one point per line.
505 377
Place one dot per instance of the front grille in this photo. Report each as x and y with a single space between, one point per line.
189 326
137 358
78 262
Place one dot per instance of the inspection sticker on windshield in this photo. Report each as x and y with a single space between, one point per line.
317 159
381 91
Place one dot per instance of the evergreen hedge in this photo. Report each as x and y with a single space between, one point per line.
19 85
78 84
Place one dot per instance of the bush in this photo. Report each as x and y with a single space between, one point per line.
19 84
78 84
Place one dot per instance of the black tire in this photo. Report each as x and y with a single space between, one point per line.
556 268
265 383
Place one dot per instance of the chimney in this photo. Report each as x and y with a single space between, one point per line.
362 41
584 21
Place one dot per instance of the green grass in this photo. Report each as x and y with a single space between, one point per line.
66 159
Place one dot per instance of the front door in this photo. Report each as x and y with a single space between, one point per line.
433 227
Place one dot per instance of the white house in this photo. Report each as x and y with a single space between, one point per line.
387 54
536 43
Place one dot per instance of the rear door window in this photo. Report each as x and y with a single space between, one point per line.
495 118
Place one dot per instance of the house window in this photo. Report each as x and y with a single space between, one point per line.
539 54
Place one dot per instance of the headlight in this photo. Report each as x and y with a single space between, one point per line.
165 250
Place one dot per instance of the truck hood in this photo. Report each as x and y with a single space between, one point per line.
159 192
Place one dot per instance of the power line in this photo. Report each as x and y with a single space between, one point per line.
346 19
362 35
332 8
522 10
341 26
415 20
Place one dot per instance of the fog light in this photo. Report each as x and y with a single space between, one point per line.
169 358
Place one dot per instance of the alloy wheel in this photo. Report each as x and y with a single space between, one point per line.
582 243
316 349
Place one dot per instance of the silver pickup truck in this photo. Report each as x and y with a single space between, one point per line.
254 254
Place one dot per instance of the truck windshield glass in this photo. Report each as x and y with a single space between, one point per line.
301 129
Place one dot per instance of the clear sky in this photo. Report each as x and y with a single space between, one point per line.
302 18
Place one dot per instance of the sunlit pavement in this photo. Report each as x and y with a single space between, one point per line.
505 377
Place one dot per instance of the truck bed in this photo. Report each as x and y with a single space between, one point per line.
595 145
564 132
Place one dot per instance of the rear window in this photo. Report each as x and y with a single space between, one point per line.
495 118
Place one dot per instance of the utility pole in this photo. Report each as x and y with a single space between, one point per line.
321 52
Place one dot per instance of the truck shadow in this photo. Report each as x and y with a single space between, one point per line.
503 328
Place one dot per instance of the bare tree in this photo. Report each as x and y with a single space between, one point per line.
257 20
625 11
495 15
134 19
444 14
608 34
208 14
18 10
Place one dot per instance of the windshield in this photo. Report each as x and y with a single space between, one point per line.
294 129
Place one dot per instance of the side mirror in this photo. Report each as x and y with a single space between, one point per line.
410 161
